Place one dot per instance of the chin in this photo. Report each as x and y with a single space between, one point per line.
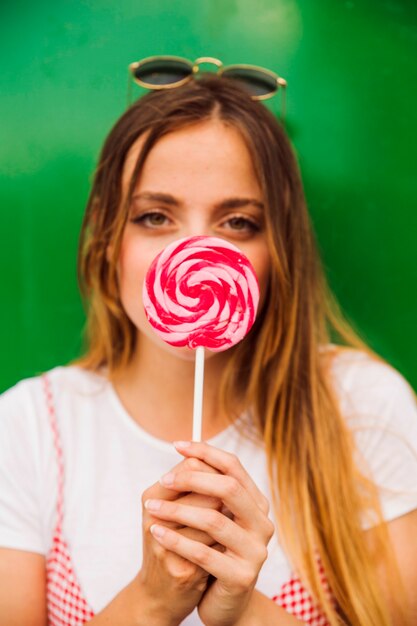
184 353
188 354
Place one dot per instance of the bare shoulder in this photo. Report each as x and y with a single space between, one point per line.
22 588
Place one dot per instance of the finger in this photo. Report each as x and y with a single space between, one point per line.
230 491
233 572
190 533
223 530
185 531
226 463
196 499
195 464
157 490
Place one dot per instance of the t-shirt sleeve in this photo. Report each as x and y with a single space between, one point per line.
20 518
381 411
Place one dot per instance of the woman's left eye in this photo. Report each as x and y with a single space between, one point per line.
241 224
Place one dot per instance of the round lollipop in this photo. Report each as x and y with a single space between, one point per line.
201 292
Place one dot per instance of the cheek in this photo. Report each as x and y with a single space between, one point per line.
260 260
131 271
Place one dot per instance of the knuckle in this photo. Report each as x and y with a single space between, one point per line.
215 521
246 579
270 529
232 487
182 571
232 462
262 554
192 465
202 555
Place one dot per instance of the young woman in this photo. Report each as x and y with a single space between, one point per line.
300 505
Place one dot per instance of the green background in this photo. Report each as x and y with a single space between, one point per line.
352 115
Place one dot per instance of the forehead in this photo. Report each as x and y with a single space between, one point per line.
206 147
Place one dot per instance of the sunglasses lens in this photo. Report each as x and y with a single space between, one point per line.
254 81
162 71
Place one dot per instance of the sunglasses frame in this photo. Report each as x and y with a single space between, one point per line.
195 68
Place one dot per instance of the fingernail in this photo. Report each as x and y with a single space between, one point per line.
157 531
152 505
182 444
168 479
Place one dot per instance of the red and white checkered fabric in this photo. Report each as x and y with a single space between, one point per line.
297 601
66 604
65 601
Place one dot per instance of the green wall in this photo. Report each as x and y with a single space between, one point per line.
352 74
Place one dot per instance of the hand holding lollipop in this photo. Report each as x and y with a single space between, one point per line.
201 292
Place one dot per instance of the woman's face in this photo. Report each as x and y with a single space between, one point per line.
198 180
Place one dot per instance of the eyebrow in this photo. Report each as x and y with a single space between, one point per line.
166 198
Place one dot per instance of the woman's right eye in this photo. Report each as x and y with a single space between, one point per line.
152 219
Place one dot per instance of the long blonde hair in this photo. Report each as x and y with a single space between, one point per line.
279 370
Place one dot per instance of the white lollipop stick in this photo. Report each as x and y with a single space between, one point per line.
179 307
198 393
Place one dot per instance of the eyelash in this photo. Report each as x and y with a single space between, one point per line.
141 219
249 224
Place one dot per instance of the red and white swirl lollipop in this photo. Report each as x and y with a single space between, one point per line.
201 292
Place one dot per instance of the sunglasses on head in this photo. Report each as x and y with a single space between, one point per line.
167 72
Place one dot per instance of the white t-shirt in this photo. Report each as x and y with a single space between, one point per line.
110 460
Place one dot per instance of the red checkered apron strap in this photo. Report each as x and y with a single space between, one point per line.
65 601
50 406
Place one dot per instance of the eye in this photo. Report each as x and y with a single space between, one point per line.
241 224
152 219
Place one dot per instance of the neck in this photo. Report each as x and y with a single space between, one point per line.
157 388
